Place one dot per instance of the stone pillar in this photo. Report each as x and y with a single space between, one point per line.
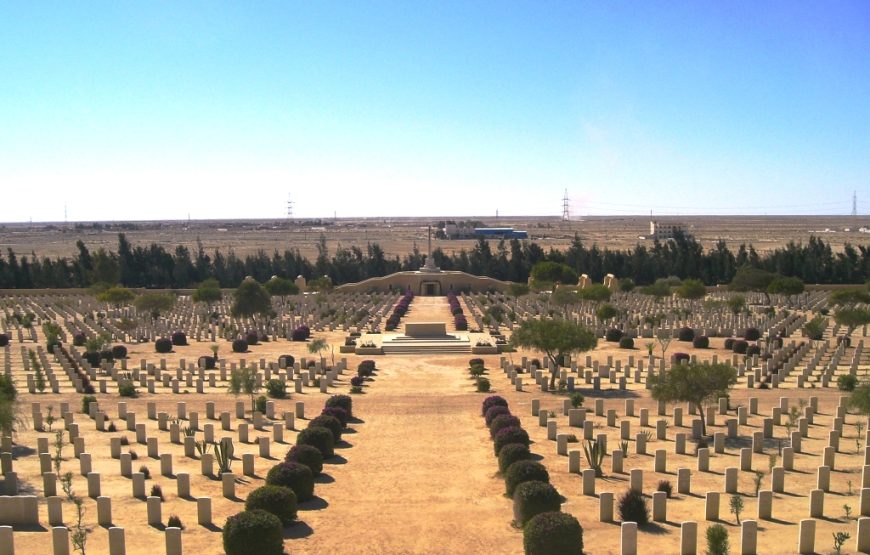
228 481
660 506
748 537
248 464
684 481
765 505
104 511
93 485
703 459
711 507
55 511
777 479
731 480
689 538
117 542
636 480
60 540
589 483
166 464
155 517
183 483
628 538
207 464
138 485
173 541
605 507
817 503
264 447
865 502
863 540
823 478
616 459
203 511
6 541
807 537
574 461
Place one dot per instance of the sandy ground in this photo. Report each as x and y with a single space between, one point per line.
418 476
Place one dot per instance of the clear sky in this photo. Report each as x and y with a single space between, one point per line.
156 110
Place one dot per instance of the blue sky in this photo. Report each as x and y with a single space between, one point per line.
157 110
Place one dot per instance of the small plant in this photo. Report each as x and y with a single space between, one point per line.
276 389
49 418
86 401
202 447
524 471
623 446
66 485
571 438
125 441
551 414
717 540
133 455
356 389
145 472
771 462
157 491
512 453
476 371
840 538
848 510
859 437
553 532
647 435
849 485
594 453
483 385
665 486
79 532
577 399
757 479
278 500
633 507
58 451
847 382
111 427
736 506
260 404
174 522
533 498
127 389
223 454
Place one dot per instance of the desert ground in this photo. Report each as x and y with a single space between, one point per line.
416 473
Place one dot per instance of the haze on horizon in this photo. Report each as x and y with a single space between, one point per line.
160 110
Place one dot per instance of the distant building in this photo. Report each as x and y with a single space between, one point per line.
500 232
665 231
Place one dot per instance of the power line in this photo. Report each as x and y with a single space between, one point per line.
854 203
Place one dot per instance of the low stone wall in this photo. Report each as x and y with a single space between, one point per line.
416 282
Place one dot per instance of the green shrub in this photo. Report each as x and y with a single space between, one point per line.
524 471
260 404
483 385
701 342
295 476
613 335
343 402
577 399
847 382
278 500
253 533
331 423
276 389
163 345
626 343
633 507
127 389
533 498
308 455
318 437
87 400
717 540
512 453
553 533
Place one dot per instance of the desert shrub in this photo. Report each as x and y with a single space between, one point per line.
553 533
626 343
847 382
206 362
308 455
252 338
476 371
107 355
513 434
337 412
127 389
752 334
4 340
119 352
253 532
86 401
483 385
493 412
666 487
365 368
533 498
740 347
276 389
93 358
260 404
318 437
240 346
729 343
135 456
179 338
679 357
503 421
717 540
512 453
300 334
295 476
144 470
278 500
524 471
613 335
174 522
163 345
633 507
331 423
79 339
753 350
286 361
157 491
701 342
492 401
686 334
357 381
475 362
342 402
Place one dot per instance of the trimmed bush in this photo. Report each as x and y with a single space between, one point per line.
613 335
253 532
753 350
686 334
847 382
752 334
276 389
511 453
533 498
343 402
503 421
252 338
93 358
729 343
286 361
127 389
679 357
179 338
553 533
740 347
278 500
308 455
505 436
524 471
163 345
492 401
483 385
240 346
300 334
626 343
86 401
701 342
318 437
206 362
119 352
365 368
260 404
295 476
79 339
331 423
476 362
338 413
492 412
633 507
357 381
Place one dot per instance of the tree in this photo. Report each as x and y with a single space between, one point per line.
695 383
606 312
626 284
691 289
555 338
563 296
116 295
852 318
658 289
815 328
859 399
208 292
9 417
251 298
281 287
736 303
154 303
664 337
748 278
786 286
316 347
244 381
595 292
517 290
553 272
849 296
322 284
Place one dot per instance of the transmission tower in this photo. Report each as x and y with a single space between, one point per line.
854 203
565 209
289 207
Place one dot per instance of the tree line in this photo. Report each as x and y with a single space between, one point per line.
155 266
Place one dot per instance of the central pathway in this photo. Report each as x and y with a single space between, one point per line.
421 476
